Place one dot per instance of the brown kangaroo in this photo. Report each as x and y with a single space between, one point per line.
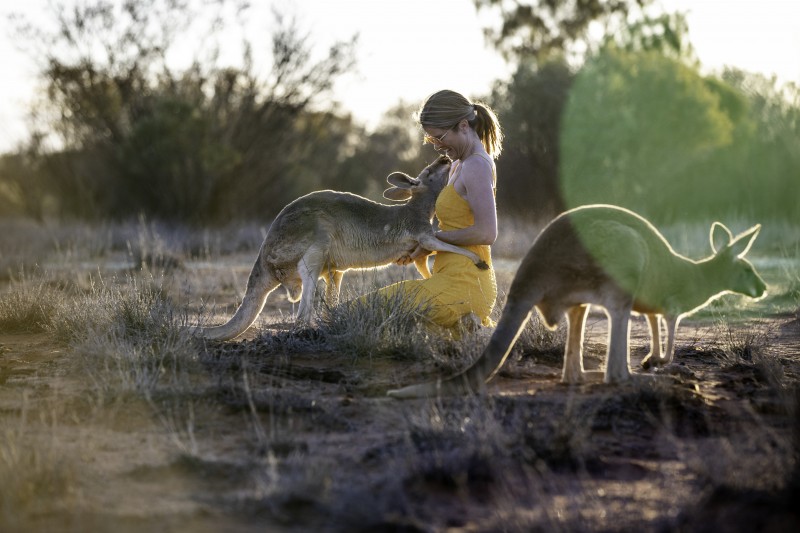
325 233
611 257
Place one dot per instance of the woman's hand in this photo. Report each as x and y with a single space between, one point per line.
412 255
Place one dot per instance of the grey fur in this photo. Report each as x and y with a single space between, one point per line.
606 256
325 233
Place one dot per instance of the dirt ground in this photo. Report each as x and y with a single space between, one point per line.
271 439
308 441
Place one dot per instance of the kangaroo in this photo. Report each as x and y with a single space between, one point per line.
325 233
611 257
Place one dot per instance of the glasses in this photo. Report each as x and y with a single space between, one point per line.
435 140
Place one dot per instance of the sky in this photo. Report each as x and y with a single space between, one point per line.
412 48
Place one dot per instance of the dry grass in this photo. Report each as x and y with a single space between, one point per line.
37 477
288 428
25 305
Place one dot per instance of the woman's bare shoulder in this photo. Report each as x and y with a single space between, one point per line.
477 169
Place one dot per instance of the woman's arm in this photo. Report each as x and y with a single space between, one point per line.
476 185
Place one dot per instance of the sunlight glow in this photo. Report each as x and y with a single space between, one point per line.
412 48
756 36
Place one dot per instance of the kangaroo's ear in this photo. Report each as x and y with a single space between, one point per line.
394 193
720 236
742 243
402 180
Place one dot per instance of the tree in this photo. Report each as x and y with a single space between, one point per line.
20 190
396 144
538 30
635 129
760 169
666 34
203 143
530 107
543 38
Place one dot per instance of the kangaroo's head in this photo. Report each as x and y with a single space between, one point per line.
424 188
736 271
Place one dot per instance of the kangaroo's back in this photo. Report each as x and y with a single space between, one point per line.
625 247
352 230
586 254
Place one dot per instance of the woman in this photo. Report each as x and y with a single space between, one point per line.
469 134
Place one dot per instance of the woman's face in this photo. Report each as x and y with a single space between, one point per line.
446 141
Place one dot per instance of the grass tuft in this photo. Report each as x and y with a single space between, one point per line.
27 306
540 343
379 325
35 475
750 346
128 336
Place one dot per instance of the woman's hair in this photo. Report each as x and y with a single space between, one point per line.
445 109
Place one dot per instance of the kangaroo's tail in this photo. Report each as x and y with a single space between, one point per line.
260 283
515 316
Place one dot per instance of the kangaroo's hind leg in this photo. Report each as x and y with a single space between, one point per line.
672 328
618 355
309 267
655 357
294 287
333 284
573 353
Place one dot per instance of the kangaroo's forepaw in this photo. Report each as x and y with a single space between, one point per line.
482 265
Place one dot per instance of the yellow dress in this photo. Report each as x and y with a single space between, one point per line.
456 287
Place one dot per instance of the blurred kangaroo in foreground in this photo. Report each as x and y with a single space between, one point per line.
607 256
325 233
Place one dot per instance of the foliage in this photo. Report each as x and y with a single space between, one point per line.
128 334
636 124
200 144
635 127
666 33
532 102
530 107
649 133
761 167
395 144
540 29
